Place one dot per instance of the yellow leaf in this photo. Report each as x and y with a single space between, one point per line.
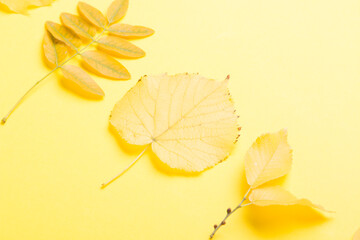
74 30
54 51
357 235
269 157
92 14
117 10
78 26
82 79
105 65
20 6
276 195
189 120
62 34
120 47
130 31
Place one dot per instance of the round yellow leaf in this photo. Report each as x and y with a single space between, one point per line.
189 120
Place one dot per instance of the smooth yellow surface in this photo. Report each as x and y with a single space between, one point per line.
293 64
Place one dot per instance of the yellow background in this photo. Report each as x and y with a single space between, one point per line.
293 64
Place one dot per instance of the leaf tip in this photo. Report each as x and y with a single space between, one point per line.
101 93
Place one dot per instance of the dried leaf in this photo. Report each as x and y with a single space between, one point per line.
54 51
92 14
270 157
78 26
82 79
105 65
73 31
62 34
189 120
20 6
117 10
130 31
357 235
276 195
120 47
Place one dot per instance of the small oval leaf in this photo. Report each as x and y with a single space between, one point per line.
269 157
78 26
130 31
105 65
54 51
82 79
120 47
117 10
62 34
92 14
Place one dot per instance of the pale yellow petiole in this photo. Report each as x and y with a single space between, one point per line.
104 185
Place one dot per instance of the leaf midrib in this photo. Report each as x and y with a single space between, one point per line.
104 65
262 170
108 43
65 38
183 116
78 26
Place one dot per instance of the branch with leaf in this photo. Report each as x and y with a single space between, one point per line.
62 43
269 157
189 121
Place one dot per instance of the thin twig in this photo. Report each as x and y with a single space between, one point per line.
229 212
78 52
104 185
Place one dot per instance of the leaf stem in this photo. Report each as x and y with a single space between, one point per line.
104 185
78 52
229 212
3 121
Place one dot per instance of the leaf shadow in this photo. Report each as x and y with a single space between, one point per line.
272 221
5 9
125 146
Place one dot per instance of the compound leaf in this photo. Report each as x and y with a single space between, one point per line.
63 43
